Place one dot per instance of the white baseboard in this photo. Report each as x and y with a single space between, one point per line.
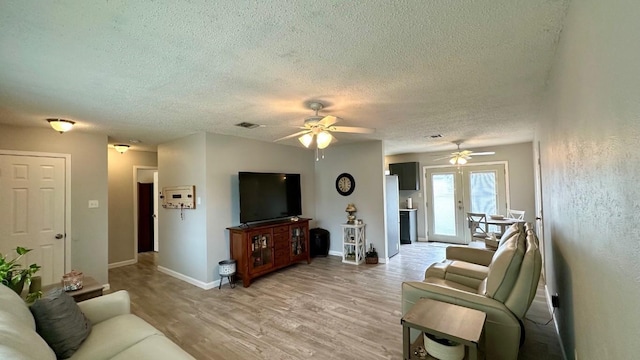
106 287
335 253
188 279
122 263
555 320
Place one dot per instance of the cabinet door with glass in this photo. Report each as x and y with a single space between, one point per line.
299 245
261 250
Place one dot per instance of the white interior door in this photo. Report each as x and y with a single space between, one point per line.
451 192
32 211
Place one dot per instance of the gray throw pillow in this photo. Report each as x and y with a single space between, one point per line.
60 322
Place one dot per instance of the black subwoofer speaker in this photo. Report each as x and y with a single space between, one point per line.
320 242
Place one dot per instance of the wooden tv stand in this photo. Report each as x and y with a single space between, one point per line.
265 247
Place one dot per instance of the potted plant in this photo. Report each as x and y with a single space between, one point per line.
15 276
371 256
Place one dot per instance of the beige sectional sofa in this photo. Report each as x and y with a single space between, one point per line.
502 284
115 333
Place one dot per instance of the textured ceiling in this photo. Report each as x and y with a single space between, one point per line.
159 70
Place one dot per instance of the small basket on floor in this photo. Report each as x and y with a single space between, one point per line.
371 260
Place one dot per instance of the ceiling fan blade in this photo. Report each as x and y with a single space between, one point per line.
328 120
293 135
442 158
352 129
483 153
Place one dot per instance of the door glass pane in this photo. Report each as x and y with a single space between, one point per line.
444 204
484 194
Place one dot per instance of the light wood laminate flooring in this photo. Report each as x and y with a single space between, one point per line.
324 310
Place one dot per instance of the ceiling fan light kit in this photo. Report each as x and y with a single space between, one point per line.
458 161
324 139
306 140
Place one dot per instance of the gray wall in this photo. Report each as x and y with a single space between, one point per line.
521 177
226 156
590 166
89 227
182 242
121 227
194 246
365 162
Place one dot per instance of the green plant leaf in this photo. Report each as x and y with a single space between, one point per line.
21 251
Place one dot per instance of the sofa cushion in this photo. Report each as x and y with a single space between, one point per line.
60 322
449 284
467 269
152 348
504 268
15 307
18 341
512 230
114 335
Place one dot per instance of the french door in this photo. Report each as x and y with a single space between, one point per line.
453 191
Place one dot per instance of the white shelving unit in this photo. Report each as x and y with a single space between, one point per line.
353 243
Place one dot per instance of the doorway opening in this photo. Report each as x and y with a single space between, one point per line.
145 203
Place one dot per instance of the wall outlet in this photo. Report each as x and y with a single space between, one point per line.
555 300
93 204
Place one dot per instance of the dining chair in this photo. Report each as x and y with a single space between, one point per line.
477 225
515 214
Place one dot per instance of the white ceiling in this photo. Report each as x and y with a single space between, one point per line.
159 70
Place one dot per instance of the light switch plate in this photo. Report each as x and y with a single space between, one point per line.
93 204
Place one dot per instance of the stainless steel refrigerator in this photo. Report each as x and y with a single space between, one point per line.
392 214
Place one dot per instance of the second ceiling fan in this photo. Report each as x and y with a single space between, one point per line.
318 129
460 157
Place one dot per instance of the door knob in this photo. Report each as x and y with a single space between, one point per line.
59 236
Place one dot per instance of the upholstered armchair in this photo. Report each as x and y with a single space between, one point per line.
504 293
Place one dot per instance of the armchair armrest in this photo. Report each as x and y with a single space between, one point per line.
469 254
107 306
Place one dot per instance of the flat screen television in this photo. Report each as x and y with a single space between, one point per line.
268 196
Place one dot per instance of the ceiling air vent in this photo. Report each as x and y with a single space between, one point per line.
248 125
435 136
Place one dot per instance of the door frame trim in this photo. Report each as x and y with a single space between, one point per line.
424 190
135 207
67 195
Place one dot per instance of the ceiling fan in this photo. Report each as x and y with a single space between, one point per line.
319 128
460 157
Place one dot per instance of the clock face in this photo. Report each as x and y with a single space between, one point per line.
345 184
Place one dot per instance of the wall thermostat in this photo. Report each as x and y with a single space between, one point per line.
178 197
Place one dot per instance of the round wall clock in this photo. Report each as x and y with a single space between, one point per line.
345 184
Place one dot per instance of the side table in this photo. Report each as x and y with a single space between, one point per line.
90 289
456 323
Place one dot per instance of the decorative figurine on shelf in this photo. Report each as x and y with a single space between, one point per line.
351 218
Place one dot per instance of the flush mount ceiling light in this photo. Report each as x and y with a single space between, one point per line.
61 125
121 148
